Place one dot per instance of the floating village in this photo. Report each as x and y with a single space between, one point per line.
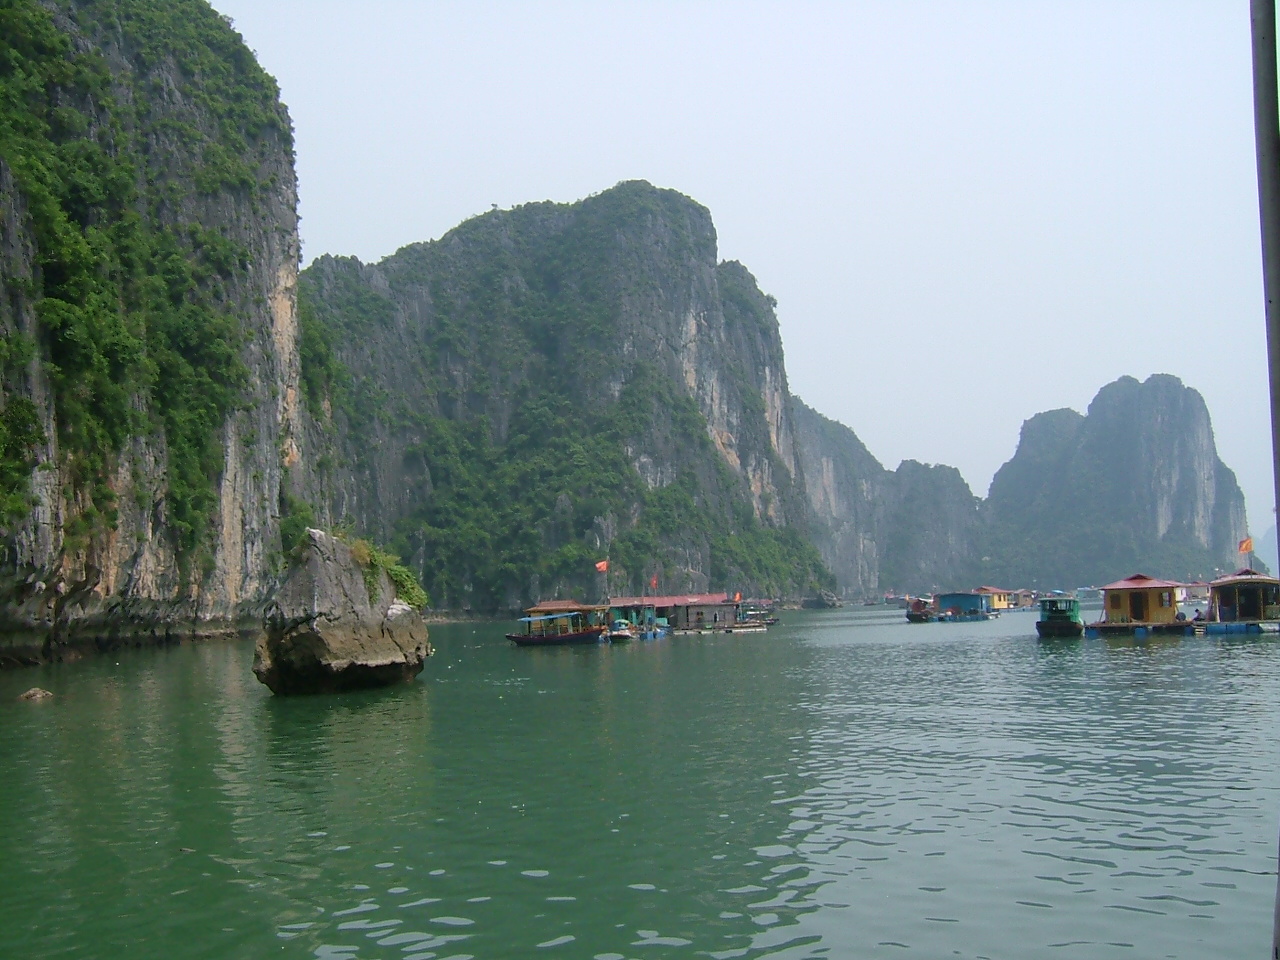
1138 606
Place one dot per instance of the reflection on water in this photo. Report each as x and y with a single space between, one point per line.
845 785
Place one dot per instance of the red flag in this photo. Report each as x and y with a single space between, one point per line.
653 582
602 566
737 598
1246 545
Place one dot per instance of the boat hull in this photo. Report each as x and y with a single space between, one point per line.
913 617
1052 629
594 635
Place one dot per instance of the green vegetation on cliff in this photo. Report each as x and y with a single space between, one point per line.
510 365
1134 486
131 295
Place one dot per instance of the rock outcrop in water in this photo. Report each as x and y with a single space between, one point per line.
329 630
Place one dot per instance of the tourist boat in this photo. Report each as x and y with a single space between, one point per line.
920 612
1140 605
1059 617
560 622
1245 602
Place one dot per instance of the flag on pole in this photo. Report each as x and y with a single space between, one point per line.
602 566
653 582
737 598
1246 545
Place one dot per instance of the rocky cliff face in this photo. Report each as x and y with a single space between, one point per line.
1135 485
913 529
148 265
585 377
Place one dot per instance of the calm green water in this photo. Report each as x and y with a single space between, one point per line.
847 785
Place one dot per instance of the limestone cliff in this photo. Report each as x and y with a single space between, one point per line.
915 529
562 383
1134 485
148 265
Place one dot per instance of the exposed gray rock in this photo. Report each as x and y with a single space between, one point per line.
1135 484
124 583
36 693
325 633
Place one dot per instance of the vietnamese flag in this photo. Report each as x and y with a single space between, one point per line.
602 566
1246 545
653 582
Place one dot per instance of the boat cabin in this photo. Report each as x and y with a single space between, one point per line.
1245 596
1060 608
1140 599
553 618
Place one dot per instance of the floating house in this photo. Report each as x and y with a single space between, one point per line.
998 599
1243 603
642 614
1139 605
692 613
955 607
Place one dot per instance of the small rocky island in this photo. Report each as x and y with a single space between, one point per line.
335 626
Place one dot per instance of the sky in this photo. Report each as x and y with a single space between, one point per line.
969 212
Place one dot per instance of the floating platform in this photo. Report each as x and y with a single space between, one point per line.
1178 628
723 628
1241 626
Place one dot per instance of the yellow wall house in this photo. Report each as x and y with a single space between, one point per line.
1140 599
999 599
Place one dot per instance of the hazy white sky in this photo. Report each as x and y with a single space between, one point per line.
969 212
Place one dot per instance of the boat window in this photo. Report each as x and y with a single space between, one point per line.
1166 598
1115 601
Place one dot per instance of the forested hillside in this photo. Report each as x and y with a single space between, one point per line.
550 386
1135 485
147 258
539 390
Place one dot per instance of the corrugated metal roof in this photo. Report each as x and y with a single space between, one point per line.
682 600
1244 576
562 606
1140 581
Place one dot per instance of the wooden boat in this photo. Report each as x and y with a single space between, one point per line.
1059 617
1245 602
559 622
920 612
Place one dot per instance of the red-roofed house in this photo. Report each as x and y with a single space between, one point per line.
1140 599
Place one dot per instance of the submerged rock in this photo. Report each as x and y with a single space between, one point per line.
36 693
326 631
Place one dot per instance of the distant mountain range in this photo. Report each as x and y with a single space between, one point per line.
1133 485
541 390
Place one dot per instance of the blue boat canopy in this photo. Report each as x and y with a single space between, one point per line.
552 616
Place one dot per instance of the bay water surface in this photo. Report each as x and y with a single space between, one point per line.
846 785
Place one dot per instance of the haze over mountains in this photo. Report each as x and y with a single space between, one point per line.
541 388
